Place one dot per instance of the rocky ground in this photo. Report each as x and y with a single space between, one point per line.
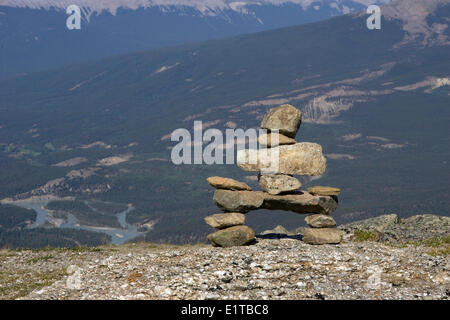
278 266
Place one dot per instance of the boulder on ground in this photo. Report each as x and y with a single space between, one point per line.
322 236
324 191
286 118
378 224
304 158
278 183
277 230
234 236
270 140
238 201
225 220
227 184
300 203
392 229
320 221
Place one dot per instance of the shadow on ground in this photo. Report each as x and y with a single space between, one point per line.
279 236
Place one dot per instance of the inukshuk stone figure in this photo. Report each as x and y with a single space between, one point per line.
280 188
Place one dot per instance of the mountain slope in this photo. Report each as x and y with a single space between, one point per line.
377 103
33 34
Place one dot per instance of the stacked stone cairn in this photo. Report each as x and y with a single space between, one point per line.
280 188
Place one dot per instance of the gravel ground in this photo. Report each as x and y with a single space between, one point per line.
283 268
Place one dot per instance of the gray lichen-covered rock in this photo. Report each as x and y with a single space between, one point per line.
390 228
238 201
230 237
320 221
274 139
227 184
300 203
417 228
278 183
304 158
322 236
372 224
225 220
286 118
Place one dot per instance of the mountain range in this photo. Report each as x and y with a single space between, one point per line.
208 7
33 33
376 100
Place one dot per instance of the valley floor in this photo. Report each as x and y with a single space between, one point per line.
283 268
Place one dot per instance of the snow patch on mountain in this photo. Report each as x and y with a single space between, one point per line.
414 15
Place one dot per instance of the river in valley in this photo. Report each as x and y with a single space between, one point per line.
118 235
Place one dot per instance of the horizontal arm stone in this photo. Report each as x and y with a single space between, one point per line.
245 201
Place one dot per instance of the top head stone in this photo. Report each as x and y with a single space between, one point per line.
285 118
